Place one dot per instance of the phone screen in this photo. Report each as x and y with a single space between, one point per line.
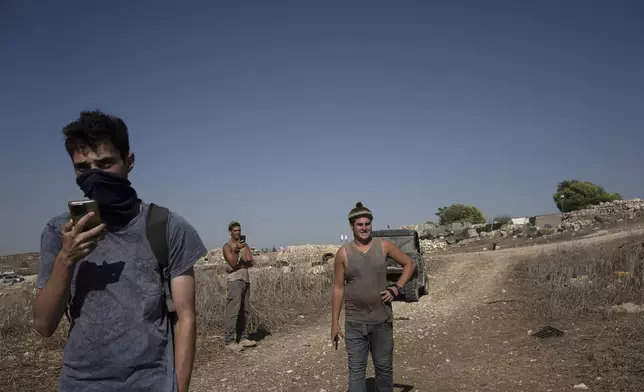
242 237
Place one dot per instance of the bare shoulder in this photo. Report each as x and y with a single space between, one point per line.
387 245
340 256
227 248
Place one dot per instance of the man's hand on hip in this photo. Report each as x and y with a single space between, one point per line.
389 294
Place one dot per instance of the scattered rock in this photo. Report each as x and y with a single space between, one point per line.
287 269
468 241
433 245
627 307
580 281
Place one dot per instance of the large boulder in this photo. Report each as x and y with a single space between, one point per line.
470 233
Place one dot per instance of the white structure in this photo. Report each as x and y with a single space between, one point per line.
520 221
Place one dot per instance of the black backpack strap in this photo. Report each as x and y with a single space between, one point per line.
156 231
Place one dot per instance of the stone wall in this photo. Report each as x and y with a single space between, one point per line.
548 220
432 231
542 225
604 213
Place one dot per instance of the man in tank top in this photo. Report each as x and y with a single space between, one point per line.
361 280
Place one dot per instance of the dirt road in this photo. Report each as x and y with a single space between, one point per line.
452 340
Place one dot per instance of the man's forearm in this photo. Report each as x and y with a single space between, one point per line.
248 255
336 305
50 303
185 334
233 260
408 271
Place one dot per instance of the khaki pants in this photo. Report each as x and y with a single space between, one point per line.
237 313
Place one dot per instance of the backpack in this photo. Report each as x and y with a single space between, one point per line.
156 229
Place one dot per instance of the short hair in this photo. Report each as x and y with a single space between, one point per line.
233 224
95 127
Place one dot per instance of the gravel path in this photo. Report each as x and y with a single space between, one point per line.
452 340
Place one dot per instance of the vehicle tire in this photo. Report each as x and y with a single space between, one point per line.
411 291
424 290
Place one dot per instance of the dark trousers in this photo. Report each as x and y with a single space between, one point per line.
378 339
236 317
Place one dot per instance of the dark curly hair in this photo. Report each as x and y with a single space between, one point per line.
93 128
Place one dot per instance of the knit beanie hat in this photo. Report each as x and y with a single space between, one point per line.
360 211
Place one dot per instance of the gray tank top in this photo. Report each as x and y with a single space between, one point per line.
365 277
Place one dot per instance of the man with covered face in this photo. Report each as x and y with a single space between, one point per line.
122 336
360 279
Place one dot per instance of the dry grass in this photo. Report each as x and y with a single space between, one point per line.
16 320
27 361
32 363
277 298
581 286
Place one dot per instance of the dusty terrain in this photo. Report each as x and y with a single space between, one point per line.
461 337
469 334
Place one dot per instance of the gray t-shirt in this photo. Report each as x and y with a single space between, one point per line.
119 339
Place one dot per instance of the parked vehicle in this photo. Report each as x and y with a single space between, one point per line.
408 242
12 278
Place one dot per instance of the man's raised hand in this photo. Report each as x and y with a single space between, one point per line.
78 243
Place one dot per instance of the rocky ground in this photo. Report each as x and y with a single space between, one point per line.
467 335
619 215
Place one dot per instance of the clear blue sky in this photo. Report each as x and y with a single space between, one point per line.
283 114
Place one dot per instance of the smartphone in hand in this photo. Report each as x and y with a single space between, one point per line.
80 208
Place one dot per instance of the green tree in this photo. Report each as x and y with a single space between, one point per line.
578 195
460 213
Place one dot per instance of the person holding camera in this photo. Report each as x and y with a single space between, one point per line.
239 258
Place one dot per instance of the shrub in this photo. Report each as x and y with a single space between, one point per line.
460 213
578 195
